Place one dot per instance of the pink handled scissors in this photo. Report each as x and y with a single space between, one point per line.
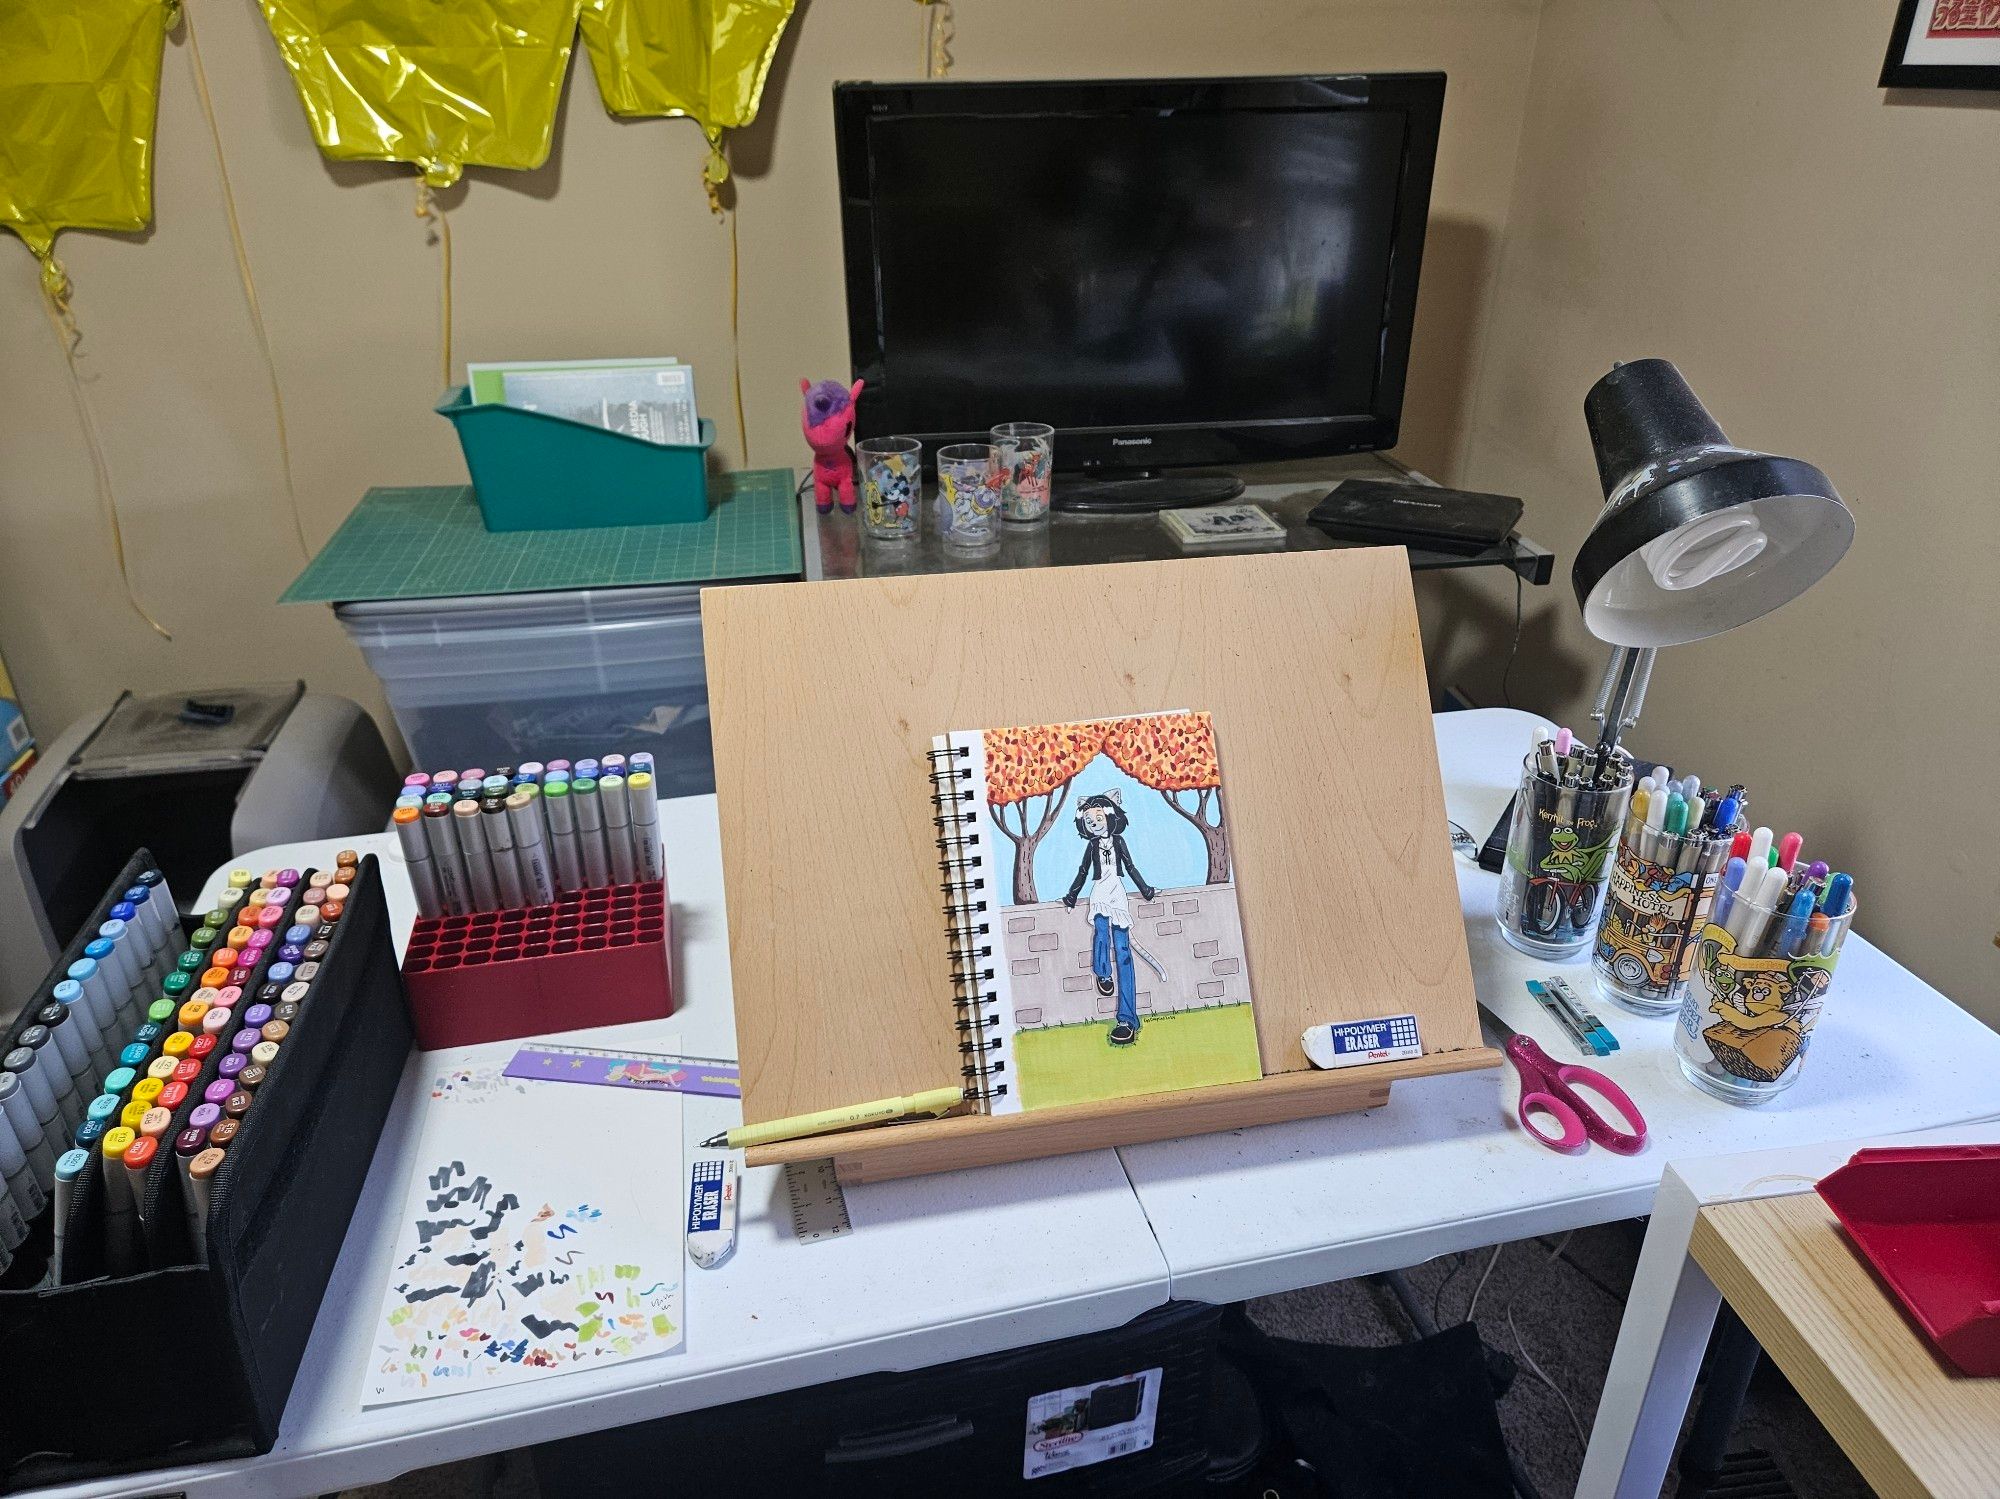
1549 1087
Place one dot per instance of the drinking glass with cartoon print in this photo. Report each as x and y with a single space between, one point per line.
1027 455
1558 861
1763 966
1661 890
968 502
892 477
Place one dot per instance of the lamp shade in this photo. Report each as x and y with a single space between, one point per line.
1697 536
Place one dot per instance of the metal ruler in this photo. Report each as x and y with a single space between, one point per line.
819 1207
652 1071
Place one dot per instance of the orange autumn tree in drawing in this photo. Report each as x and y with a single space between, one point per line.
1022 764
1174 753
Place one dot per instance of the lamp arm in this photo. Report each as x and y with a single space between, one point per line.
1621 694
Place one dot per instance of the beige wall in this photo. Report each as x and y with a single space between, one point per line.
606 250
1714 182
1723 185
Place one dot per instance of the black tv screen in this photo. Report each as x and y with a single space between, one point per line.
1168 272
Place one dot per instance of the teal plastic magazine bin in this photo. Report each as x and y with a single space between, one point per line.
535 472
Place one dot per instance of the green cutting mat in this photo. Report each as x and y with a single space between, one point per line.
429 543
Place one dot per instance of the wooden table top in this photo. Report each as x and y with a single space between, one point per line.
1910 1422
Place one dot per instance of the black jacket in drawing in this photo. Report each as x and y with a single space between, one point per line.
1091 868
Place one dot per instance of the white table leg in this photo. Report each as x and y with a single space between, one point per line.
1667 1321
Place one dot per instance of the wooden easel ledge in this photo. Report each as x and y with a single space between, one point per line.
924 1146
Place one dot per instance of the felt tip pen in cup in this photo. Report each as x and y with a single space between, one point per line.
590 832
69 1171
120 1242
652 860
34 1136
139 1156
530 849
500 846
617 830
932 1102
23 1186
561 817
21 1064
449 869
200 1180
485 892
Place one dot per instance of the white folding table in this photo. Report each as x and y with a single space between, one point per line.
946 1267
937 1268
1445 1166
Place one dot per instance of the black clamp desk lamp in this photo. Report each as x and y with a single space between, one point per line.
1696 537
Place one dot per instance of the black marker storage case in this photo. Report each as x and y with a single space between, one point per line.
236 1325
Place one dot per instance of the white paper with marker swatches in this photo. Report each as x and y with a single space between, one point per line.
516 1262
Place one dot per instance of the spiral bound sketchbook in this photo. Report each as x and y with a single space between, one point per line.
1095 946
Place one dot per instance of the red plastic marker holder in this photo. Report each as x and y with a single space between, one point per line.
592 957
1928 1219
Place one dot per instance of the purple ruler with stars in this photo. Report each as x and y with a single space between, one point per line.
611 1069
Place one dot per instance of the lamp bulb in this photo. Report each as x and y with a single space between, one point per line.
1704 550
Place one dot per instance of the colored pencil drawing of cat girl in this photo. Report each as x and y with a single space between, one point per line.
1101 823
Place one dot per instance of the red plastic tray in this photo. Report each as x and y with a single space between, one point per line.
592 957
1928 1219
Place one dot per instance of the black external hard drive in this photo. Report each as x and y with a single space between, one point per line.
1416 515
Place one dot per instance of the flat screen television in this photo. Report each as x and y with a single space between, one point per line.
1171 272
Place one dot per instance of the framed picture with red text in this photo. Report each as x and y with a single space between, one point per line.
1944 44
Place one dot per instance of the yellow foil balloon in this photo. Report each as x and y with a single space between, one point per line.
79 88
446 84
702 58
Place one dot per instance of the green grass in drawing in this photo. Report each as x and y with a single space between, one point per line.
1183 1049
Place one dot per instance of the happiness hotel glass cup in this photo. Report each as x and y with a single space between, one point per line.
968 502
1662 887
892 479
1027 455
1558 860
1762 971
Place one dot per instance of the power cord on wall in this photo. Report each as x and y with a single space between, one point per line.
1513 650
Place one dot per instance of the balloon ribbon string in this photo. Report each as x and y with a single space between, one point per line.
736 337
429 208
63 324
938 32
249 285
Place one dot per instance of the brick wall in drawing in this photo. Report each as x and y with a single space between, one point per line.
1193 931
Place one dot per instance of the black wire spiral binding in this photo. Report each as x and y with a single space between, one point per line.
963 867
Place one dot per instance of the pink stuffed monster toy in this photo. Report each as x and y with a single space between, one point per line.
828 419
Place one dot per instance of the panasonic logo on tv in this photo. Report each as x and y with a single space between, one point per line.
1131 442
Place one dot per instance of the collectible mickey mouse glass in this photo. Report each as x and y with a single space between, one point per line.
1027 456
892 475
1761 974
968 503
1559 850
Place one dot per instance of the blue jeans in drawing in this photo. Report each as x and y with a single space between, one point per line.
1114 945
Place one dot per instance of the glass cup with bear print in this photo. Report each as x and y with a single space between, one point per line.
892 478
968 502
1762 970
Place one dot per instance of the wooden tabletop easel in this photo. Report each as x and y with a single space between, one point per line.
825 698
